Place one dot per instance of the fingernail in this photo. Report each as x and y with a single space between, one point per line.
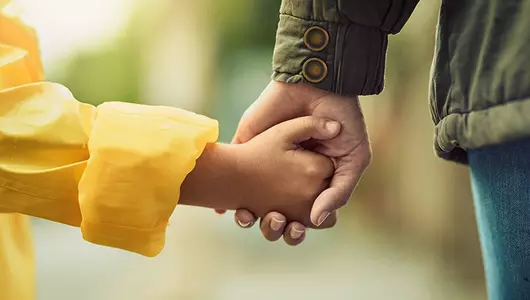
276 224
296 233
244 225
323 217
332 126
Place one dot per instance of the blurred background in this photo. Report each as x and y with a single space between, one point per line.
408 233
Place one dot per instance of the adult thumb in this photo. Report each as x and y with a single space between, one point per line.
302 129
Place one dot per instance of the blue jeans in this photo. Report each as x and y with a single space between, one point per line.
500 177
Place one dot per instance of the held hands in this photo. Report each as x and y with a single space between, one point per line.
277 174
350 149
270 172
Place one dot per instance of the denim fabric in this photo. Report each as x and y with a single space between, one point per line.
501 187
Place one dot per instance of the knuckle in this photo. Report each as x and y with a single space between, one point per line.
312 169
319 167
314 122
308 122
318 123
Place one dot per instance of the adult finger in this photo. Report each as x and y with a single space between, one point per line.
244 218
330 221
258 117
272 226
348 172
294 234
278 102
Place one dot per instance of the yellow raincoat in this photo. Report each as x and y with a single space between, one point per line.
113 170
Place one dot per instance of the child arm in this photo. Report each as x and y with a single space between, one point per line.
115 170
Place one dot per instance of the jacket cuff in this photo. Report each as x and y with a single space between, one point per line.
338 56
139 157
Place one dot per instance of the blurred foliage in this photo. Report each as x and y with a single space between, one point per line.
247 25
240 25
108 75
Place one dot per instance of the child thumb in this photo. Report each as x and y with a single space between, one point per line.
305 128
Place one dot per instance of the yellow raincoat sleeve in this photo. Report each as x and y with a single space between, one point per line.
114 170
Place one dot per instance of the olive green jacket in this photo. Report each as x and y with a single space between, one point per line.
480 80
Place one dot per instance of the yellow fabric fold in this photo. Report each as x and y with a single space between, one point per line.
115 170
139 157
14 33
119 163
43 136
17 266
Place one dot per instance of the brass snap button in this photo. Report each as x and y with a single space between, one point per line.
316 38
314 70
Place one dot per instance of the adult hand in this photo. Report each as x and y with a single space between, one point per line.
350 150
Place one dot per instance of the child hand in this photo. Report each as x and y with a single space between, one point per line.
271 172
279 175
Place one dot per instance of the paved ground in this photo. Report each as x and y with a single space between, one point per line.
206 257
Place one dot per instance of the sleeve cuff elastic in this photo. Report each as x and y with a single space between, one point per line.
351 63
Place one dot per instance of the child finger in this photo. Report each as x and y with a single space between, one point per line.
302 129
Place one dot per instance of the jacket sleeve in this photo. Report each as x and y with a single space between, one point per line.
114 170
337 45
